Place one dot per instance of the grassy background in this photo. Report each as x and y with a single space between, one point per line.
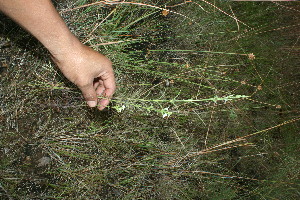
195 116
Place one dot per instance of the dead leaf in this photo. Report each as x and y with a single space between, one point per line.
165 12
259 87
251 56
278 106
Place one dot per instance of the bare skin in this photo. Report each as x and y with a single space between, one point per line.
91 71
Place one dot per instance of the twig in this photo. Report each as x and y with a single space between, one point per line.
237 23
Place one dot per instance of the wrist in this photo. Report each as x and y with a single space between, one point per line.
62 46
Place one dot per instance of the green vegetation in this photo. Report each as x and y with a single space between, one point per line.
206 106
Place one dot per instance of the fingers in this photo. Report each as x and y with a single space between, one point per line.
103 87
89 95
96 84
106 89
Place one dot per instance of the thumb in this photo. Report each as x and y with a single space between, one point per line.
89 95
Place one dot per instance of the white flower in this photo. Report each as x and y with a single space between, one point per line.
165 112
120 109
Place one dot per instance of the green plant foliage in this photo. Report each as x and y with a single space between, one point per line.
207 105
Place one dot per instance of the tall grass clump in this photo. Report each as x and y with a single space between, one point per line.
206 105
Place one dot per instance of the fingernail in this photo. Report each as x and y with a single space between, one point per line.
92 103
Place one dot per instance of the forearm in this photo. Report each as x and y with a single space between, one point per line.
91 71
40 18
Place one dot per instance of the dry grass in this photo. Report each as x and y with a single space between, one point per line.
202 111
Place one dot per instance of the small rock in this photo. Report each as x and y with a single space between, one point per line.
6 150
44 161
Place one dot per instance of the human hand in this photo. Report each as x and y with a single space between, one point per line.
89 70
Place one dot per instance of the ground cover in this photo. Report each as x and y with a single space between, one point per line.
206 107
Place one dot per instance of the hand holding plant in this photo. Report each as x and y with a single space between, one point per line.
91 71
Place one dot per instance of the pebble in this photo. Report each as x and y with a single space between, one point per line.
44 161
